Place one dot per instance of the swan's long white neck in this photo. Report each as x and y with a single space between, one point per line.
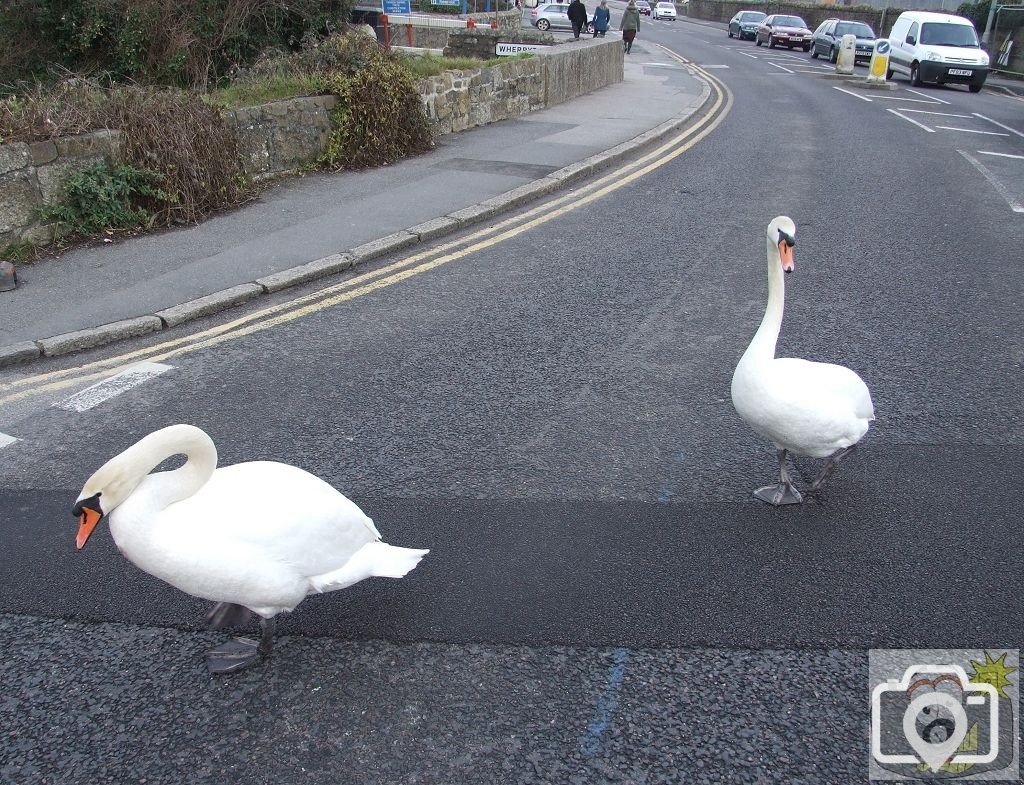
762 347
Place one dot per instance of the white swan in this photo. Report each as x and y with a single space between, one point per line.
814 409
259 536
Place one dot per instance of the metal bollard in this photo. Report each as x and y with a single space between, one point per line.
847 54
8 277
879 61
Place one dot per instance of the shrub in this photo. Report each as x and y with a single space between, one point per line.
379 117
102 197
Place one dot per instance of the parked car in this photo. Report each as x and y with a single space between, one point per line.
942 48
828 39
553 15
664 11
744 24
643 7
783 30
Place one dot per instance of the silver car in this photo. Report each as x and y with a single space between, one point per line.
553 15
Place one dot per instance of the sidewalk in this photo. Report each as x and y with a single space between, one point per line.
309 218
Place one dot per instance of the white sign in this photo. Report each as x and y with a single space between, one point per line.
506 50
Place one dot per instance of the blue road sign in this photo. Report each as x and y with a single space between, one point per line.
397 7
882 46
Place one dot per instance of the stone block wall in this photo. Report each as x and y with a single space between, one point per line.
580 67
31 176
426 37
480 42
282 136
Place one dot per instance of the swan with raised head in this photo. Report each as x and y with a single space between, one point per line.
257 536
807 408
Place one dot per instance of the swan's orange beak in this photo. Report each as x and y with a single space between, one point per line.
786 252
86 523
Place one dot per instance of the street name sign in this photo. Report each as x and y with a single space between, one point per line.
503 49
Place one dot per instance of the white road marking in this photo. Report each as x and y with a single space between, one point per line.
912 100
970 130
1001 155
6 441
747 54
912 120
943 114
994 122
1001 189
925 95
861 97
109 388
782 67
714 66
676 67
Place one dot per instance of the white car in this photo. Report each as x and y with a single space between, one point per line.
664 11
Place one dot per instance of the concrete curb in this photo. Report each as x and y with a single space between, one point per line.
67 343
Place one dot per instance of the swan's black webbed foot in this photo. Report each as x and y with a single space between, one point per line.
240 653
777 495
830 466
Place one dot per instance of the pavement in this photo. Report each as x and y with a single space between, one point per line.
317 225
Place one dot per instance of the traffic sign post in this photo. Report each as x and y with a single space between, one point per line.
879 61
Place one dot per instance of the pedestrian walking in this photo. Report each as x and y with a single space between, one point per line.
577 17
602 17
629 25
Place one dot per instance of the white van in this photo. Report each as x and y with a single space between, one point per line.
942 48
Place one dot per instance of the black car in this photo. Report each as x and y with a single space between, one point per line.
744 24
828 39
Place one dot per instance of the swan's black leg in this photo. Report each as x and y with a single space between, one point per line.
830 466
267 639
785 491
227 614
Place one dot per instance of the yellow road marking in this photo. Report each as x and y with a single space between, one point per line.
396 272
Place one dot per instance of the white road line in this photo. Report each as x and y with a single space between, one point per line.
925 95
747 54
714 66
1001 155
6 441
970 130
994 122
109 388
912 120
912 100
1016 206
861 97
943 114
782 67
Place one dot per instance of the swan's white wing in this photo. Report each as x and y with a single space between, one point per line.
828 379
282 513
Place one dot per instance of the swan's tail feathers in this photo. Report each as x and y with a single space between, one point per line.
373 560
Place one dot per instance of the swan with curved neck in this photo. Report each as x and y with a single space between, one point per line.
252 537
807 408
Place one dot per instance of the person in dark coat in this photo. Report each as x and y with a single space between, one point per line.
629 25
602 19
577 17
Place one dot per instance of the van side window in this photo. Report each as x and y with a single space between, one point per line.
912 35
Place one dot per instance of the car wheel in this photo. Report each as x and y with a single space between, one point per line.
888 73
757 41
590 29
807 48
814 53
543 24
975 88
915 75
833 55
771 42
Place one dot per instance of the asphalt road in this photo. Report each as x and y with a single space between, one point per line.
604 601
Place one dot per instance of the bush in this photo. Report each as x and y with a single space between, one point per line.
379 117
102 197
977 13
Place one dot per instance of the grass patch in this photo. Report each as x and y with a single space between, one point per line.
276 87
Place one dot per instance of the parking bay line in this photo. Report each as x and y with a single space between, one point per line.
861 97
912 120
96 394
995 122
924 95
7 441
1001 155
782 67
943 114
970 130
1001 189
912 100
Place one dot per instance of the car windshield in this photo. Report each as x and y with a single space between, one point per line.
946 34
858 29
754 16
789 21
665 5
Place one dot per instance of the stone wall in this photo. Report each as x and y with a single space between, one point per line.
480 41
281 137
724 10
31 176
425 37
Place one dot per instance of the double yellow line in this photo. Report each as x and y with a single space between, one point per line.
396 272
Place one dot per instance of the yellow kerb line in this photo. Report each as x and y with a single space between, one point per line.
221 334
